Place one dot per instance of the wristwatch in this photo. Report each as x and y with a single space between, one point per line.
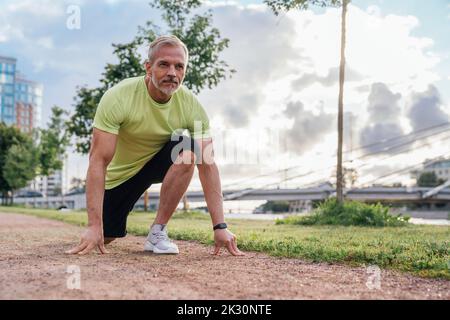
220 226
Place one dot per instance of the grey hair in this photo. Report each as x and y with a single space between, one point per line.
170 40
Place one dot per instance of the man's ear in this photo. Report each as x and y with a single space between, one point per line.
148 68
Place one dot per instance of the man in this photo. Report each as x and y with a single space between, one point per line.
135 144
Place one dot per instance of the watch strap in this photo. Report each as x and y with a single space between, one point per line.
222 225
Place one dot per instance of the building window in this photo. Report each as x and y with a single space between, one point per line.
6 78
7 89
8 100
10 68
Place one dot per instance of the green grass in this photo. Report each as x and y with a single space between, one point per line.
422 250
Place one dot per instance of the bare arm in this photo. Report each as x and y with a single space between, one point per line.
102 151
210 180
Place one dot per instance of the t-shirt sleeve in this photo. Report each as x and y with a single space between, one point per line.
198 125
110 114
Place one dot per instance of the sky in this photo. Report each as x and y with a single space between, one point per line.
279 109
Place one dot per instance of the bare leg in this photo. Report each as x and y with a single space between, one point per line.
174 185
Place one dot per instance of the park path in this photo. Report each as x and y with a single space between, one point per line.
34 266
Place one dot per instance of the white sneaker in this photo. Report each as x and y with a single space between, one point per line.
158 241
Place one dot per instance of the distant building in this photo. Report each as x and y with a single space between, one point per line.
50 186
7 90
440 167
20 99
28 96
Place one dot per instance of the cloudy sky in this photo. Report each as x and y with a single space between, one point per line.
279 110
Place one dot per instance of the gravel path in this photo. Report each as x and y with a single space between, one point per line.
34 266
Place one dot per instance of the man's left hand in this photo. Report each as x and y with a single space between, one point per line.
224 238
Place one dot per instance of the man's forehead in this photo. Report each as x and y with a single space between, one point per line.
170 52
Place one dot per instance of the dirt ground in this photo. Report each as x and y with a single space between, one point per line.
33 266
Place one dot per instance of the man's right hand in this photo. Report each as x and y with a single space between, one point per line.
92 238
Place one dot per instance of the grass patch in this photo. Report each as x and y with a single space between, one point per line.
419 249
349 213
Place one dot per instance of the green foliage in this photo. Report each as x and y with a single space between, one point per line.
190 215
428 179
80 125
275 206
349 213
205 69
53 142
20 165
278 6
15 146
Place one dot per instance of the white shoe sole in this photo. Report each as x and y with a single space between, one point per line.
148 246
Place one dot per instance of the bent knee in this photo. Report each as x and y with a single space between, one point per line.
190 150
187 158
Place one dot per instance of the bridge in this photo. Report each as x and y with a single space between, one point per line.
299 198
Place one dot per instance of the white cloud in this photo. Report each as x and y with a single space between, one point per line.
7 32
40 8
269 53
45 42
380 48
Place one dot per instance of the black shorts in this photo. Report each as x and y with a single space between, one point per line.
120 200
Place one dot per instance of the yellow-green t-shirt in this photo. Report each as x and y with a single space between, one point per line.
143 126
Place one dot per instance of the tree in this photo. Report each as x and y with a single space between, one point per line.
20 165
53 142
18 160
205 69
428 179
275 206
277 6
285 5
78 183
350 177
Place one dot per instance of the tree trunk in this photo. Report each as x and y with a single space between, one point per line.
339 176
146 200
185 203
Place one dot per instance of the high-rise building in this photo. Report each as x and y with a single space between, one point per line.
7 89
20 99
28 98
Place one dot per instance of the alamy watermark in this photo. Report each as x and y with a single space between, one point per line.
73 281
232 146
73 21
374 277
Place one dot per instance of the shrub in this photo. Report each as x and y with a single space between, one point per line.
349 213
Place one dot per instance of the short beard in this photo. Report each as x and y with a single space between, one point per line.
166 91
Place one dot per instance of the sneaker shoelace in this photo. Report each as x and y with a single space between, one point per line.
160 236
